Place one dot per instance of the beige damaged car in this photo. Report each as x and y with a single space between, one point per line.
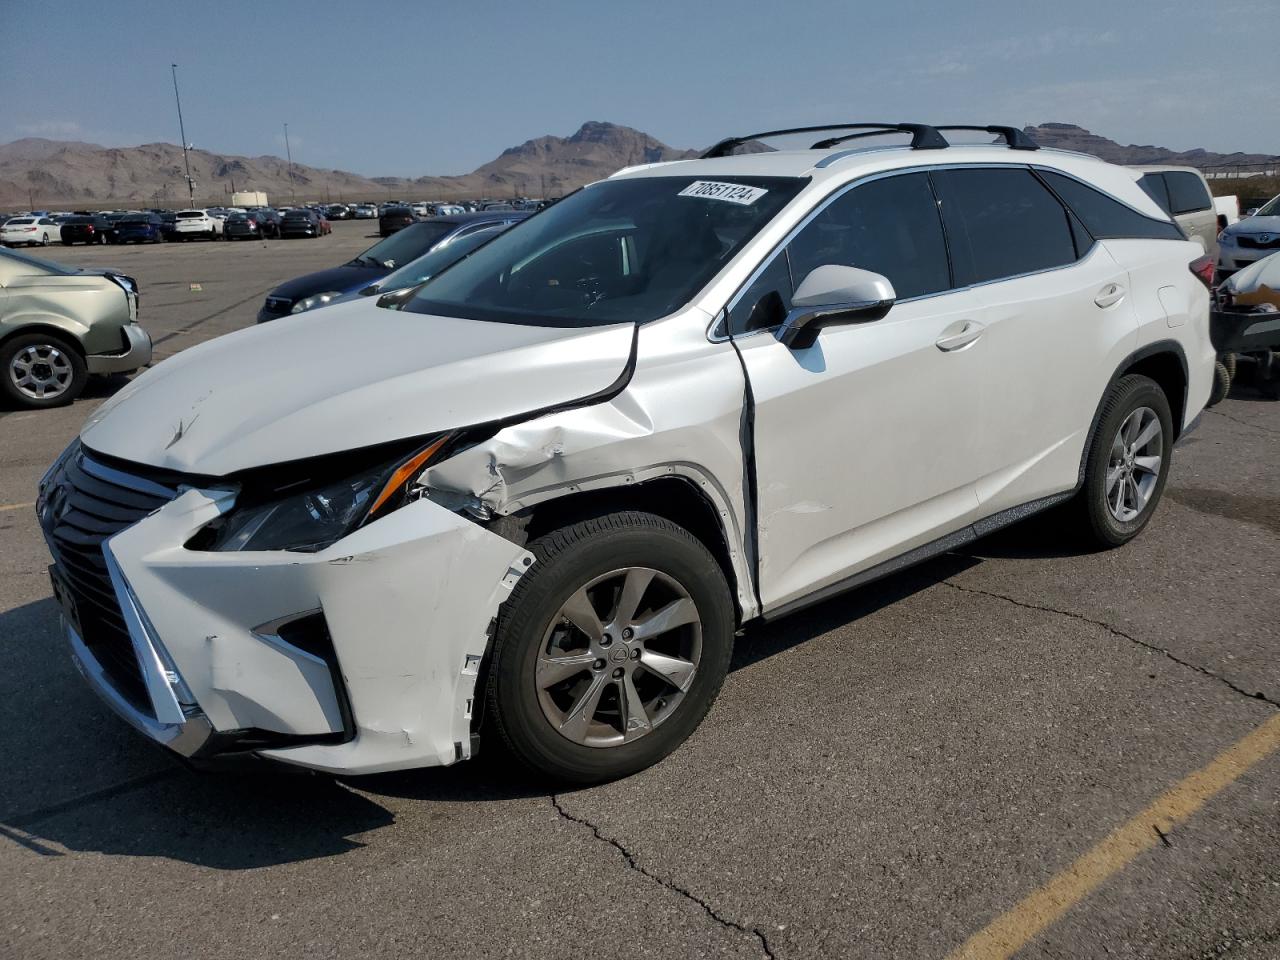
59 325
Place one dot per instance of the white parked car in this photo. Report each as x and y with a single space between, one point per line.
683 398
196 223
1247 241
29 231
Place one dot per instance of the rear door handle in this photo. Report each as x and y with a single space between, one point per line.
959 335
1109 295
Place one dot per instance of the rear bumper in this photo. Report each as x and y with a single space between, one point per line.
136 354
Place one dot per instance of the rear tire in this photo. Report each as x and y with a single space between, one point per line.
1221 384
683 619
1128 463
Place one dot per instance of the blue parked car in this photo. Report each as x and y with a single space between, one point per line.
325 286
140 228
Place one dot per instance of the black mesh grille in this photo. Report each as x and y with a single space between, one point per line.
84 510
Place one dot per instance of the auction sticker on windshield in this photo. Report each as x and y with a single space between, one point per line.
731 192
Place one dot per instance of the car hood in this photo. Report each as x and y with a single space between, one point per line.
344 377
1254 225
344 278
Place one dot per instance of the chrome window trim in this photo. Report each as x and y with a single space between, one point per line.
718 331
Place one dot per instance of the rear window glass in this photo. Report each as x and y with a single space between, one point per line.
189 215
1154 187
1187 192
1106 217
1002 223
20 221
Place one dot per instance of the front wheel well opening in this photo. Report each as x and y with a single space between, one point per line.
48 329
674 498
1167 370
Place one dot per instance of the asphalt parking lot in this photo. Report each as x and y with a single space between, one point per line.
1015 748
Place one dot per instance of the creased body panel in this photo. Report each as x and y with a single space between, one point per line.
681 415
407 600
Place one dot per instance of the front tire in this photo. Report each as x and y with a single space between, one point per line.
39 370
1128 462
1221 384
611 649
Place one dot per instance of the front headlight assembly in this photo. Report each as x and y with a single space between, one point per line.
319 515
318 300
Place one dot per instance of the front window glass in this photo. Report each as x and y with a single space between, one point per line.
618 251
405 245
428 265
889 226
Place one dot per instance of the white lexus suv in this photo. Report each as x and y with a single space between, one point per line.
531 502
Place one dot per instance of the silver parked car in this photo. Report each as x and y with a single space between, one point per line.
59 324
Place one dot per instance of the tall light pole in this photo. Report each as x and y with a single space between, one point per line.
289 153
191 184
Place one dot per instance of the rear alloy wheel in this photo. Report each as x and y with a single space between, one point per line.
611 649
40 370
1128 461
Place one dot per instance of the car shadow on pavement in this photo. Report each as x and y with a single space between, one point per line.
262 814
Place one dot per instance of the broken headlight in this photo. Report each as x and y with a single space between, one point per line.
314 518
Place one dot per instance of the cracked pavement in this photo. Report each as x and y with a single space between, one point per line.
882 775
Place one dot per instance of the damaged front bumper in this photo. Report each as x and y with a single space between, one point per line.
136 353
359 658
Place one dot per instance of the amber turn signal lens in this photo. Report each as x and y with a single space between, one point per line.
405 471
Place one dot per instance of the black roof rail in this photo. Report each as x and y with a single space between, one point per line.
1015 138
923 136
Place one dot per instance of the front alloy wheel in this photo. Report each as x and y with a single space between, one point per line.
41 371
606 680
610 649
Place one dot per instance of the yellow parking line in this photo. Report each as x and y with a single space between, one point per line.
1011 931
16 506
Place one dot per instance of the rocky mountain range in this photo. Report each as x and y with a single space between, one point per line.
50 173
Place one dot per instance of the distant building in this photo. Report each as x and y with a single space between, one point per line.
248 198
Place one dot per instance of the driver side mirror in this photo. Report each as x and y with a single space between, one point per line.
834 294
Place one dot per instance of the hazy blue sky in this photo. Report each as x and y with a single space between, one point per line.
415 88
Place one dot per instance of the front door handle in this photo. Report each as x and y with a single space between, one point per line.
1109 295
959 335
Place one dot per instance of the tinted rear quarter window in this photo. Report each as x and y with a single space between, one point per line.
1187 192
1104 216
1154 185
1002 223
889 226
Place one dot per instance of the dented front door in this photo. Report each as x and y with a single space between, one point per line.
866 444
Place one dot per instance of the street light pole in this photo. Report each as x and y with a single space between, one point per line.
292 199
182 130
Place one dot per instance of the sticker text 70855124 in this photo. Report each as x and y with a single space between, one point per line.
729 192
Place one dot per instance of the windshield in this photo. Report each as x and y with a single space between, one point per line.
1270 209
618 251
428 265
405 245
